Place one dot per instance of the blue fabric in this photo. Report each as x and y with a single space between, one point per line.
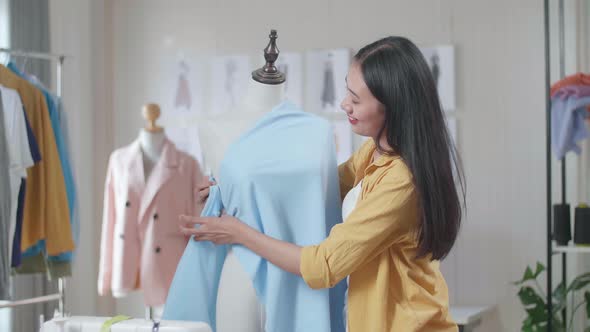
52 106
33 145
280 178
567 124
16 249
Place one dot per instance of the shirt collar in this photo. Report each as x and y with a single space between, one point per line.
383 160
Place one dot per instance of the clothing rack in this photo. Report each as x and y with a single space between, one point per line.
553 249
61 282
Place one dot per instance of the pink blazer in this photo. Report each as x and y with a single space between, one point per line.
141 243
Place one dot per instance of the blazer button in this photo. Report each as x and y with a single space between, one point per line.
158 249
156 216
127 204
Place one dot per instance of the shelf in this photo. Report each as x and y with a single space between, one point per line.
469 315
573 249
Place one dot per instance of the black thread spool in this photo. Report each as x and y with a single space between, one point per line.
562 232
582 226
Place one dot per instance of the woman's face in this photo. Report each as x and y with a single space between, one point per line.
365 113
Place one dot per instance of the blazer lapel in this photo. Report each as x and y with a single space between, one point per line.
163 170
136 180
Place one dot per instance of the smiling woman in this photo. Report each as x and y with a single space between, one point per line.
408 212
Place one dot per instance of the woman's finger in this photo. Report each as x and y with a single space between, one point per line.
204 237
193 220
204 193
188 231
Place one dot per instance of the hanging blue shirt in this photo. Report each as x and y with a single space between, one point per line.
567 124
280 178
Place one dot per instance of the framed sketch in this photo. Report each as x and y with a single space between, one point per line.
441 60
291 64
229 79
326 72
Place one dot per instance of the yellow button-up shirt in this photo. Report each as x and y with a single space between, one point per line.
389 289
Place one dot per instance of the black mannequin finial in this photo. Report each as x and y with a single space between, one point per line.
269 74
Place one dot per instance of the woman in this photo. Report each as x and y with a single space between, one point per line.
408 211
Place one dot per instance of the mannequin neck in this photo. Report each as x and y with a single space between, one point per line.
261 97
151 144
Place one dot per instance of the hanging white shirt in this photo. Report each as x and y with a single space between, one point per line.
19 153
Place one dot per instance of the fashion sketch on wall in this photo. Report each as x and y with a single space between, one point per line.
180 86
291 64
441 60
326 73
229 78
183 98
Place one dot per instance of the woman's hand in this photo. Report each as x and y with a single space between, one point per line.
203 192
230 230
219 230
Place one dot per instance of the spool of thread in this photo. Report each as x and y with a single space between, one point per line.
562 232
582 225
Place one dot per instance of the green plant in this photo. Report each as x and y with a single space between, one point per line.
533 299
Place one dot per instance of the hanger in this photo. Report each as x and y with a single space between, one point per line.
24 66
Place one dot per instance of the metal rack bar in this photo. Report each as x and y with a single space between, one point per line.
548 164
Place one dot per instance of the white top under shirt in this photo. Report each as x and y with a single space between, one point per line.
348 205
19 152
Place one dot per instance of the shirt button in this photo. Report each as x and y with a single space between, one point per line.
127 204
121 236
156 216
158 249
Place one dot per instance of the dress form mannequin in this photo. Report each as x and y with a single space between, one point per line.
238 308
151 140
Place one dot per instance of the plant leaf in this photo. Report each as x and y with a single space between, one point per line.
559 297
539 270
533 304
580 282
528 275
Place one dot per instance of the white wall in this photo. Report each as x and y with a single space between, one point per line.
77 30
4 24
119 45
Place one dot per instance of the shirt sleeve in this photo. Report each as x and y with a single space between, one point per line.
385 216
105 269
23 156
347 170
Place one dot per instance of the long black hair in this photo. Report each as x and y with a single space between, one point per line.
397 74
